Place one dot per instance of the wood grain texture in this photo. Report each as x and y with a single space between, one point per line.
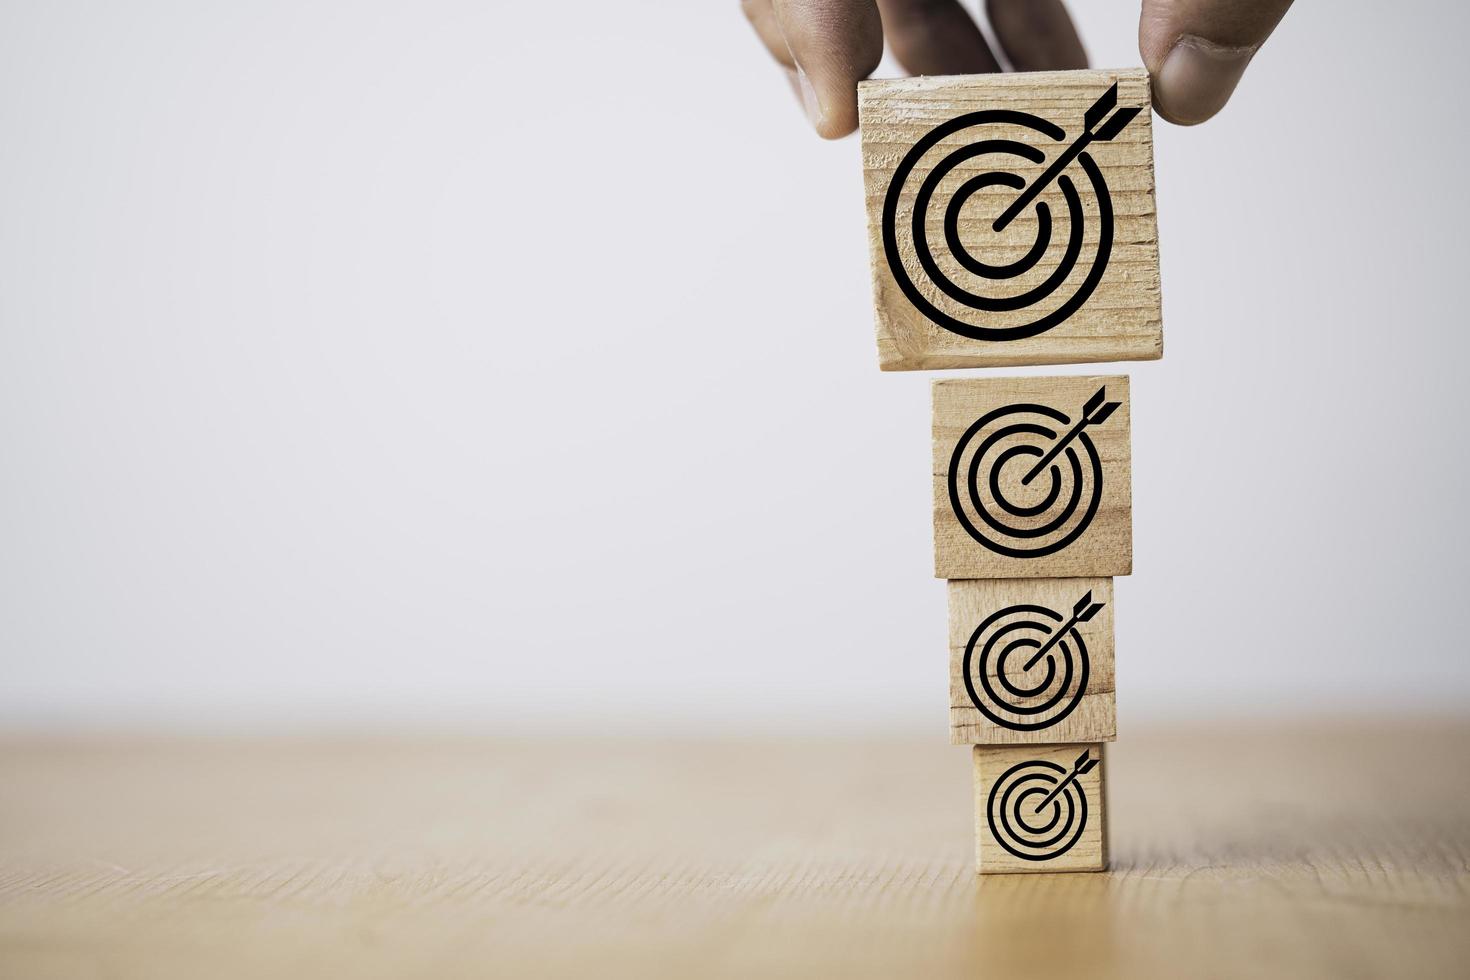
1003 624
1118 319
998 430
1237 851
1042 832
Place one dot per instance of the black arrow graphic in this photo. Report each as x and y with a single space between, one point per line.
1095 412
1081 767
1091 132
1084 610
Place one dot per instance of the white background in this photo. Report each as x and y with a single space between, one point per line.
512 365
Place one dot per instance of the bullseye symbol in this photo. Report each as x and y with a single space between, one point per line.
1036 810
1029 633
993 477
906 222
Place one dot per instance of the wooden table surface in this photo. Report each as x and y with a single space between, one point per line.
1292 853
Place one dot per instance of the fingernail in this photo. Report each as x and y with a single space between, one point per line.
1197 78
809 100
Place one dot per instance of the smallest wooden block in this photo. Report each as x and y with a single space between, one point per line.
1040 808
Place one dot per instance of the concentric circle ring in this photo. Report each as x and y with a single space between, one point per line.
929 270
1061 511
1015 824
987 668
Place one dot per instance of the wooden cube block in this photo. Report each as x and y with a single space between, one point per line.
1011 218
1031 661
1040 808
1031 478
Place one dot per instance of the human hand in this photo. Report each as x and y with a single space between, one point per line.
1195 50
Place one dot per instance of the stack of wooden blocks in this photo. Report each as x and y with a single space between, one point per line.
1012 222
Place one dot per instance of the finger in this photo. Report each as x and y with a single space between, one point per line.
834 44
1196 51
1036 35
935 37
762 17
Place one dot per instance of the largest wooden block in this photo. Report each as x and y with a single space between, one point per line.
1031 478
1011 218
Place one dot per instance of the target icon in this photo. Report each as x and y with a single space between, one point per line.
1025 672
968 166
1022 483
1036 809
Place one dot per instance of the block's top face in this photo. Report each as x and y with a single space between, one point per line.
1011 218
1031 477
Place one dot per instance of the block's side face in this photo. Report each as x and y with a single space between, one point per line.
1040 808
1031 661
1022 487
1072 276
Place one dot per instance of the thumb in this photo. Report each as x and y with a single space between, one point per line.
1196 51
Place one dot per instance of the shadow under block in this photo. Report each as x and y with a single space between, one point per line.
1031 478
1040 808
1031 661
1072 274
